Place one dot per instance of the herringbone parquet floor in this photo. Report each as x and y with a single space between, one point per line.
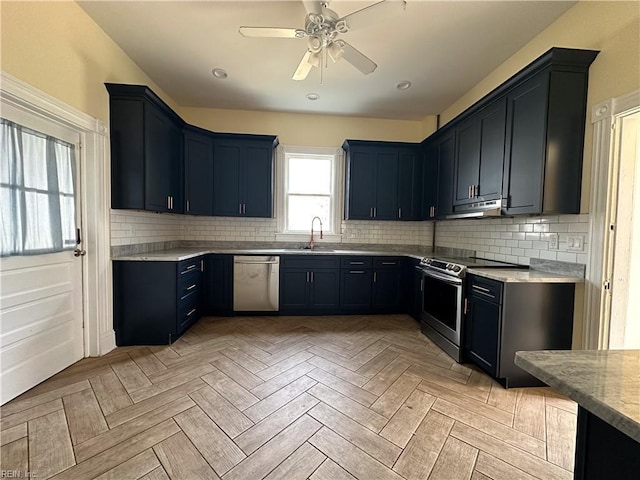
247 398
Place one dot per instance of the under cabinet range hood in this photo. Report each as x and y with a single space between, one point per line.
490 208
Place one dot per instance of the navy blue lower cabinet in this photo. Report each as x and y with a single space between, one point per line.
387 290
217 290
294 289
355 290
482 327
155 302
324 290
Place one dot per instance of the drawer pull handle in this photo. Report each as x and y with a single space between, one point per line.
389 263
356 271
191 312
356 263
482 289
191 287
191 267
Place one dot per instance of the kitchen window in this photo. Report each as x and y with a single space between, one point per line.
308 180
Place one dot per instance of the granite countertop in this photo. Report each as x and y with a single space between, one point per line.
515 275
606 383
179 254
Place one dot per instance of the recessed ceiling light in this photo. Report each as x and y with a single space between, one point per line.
313 96
405 84
219 73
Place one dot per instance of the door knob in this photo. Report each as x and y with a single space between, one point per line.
79 252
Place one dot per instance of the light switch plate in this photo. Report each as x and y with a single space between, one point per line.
575 243
553 241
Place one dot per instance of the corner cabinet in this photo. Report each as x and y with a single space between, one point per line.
198 171
243 176
438 178
146 151
383 180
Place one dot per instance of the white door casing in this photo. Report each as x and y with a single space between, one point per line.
17 97
602 217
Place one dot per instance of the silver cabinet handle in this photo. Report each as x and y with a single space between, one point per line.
202 265
244 208
469 191
168 202
191 312
375 277
307 277
240 208
389 263
482 289
371 212
356 263
422 284
191 287
311 277
399 212
187 205
475 190
356 271
375 212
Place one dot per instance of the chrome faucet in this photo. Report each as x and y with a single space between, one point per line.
311 242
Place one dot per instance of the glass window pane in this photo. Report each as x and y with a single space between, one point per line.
38 222
34 158
309 175
64 160
302 209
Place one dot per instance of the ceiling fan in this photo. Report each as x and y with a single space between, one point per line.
322 27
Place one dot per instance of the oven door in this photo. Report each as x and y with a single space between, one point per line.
442 305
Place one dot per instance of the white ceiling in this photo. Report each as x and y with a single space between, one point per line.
443 47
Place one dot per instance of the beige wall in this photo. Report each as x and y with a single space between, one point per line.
305 129
611 27
58 48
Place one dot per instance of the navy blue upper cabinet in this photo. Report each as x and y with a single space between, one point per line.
444 149
243 175
146 151
545 130
198 171
383 180
480 144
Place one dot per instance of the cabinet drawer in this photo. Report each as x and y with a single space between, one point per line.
387 262
189 285
187 312
311 262
187 266
485 288
355 262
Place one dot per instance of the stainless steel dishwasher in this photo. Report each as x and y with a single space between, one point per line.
256 283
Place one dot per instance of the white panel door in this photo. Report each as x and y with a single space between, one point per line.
41 309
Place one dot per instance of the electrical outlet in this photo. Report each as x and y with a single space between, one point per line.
553 241
575 243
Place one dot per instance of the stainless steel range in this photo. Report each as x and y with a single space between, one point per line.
443 303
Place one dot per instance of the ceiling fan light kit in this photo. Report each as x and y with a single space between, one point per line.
322 27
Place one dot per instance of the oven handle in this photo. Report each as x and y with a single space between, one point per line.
447 279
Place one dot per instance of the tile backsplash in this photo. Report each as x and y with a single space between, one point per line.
516 239
130 227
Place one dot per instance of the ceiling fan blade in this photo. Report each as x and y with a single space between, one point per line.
312 6
356 58
374 13
271 32
304 67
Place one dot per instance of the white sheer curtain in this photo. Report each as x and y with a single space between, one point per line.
37 194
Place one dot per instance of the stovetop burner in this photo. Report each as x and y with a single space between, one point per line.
457 266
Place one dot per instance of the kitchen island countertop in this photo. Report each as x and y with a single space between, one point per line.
606 383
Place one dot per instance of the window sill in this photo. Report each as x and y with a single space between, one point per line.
305 237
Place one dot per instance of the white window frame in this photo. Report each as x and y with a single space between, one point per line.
283 152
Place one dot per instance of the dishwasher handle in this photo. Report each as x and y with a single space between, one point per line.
259 262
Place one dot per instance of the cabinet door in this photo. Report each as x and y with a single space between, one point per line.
256 185
445 175
526 145
417 289
324 290
294 289
198 172
355 290
361 183
409 184
163 167
386 206
218 285
482 333
492 139
387 291
226 179
467 160
429 181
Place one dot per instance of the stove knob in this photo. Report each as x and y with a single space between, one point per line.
456 269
